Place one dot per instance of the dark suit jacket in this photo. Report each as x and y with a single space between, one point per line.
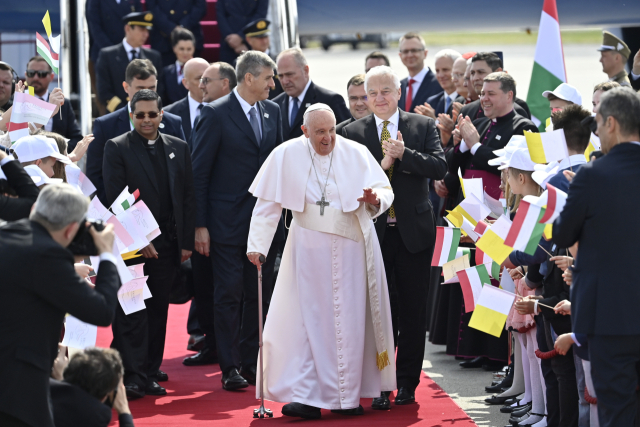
39 285
226 159
343 124
635 83
474 109
428 88
67 126
438 103
181 109
314 94
127 162
168 14
111 68
173 91
232 16
423 159
12 208
72 406
113 125
104 19
602 195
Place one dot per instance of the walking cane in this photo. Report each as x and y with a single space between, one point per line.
261 411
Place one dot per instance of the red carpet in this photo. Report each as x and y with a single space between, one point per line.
196 398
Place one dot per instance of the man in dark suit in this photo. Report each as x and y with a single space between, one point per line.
189 107
421 83
604 293
39 75
232 16
113 60
358 106
233 137
218 80
140 74
39 286
15 208
442 103
483 64
159 167
300 93
170 14
409 149
481 137
256 34
104 19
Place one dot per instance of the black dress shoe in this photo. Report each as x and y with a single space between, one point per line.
492 365
161 376
405 396
134 391
497 388
155 389
382 403
508 409
354 411
497 400
205 356
474 363
301 410
196 342
231 380
249 374
521 411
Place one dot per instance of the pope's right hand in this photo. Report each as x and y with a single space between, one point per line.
202 241
254 258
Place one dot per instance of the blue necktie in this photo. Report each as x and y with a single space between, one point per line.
294 112
253 114
447 102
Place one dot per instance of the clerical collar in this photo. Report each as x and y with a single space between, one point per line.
504 118
145 141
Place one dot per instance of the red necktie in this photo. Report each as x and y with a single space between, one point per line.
409 100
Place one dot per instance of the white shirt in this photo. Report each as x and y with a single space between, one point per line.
575 160
193 108
179 73
464 148
418 81
452 98
392 127
49 126
299 98
128 48
246 107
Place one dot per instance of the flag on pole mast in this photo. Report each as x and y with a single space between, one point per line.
548 66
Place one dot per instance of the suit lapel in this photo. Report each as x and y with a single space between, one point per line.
240 119
371 138
424 86
285 116
266 123
124 124
309 98
172 163
136 146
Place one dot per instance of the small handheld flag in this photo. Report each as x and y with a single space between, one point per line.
447 241
492 309
547 147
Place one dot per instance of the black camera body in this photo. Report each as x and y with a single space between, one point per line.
83 243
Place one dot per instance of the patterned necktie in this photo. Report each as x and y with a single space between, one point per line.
385 136
254 123
294 112
409 100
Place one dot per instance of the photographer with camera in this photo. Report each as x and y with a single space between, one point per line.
39 285
14 208
89 386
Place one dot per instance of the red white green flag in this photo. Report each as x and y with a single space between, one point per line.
548 66
526 230
447 241
17 131
471 281
124 201
43 48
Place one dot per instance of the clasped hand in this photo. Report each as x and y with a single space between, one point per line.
393 149
467 132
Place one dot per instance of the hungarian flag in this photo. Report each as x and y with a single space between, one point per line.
471 282
124 201
447 241
526 230
548 66
556 199
492 308
42 46
493 268
17 131
547 147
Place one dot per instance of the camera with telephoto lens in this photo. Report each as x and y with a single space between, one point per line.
83 243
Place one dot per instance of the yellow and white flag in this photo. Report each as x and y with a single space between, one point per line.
547 147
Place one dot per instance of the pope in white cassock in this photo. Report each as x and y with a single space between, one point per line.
328 339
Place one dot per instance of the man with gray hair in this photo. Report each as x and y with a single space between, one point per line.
232 138
408 148
604 292
328 339
300 92
442 103
35 300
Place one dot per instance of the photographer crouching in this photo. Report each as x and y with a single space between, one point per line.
39 285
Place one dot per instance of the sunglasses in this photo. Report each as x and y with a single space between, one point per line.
41 74
141 116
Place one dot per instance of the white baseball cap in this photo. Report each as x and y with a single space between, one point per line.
565 92
515 143
34 147
39 177
520 159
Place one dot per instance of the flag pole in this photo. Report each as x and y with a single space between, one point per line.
59 75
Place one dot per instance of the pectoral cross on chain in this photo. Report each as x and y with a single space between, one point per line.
322 203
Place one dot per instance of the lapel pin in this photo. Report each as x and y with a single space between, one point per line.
307 106
161 126
171 156
266 115
498 137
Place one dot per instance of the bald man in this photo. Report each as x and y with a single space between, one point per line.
189 107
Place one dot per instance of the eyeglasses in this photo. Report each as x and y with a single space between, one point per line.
411 51
41 74
141 116
358 98
205 80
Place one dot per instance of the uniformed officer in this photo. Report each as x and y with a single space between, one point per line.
614 54
257 35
